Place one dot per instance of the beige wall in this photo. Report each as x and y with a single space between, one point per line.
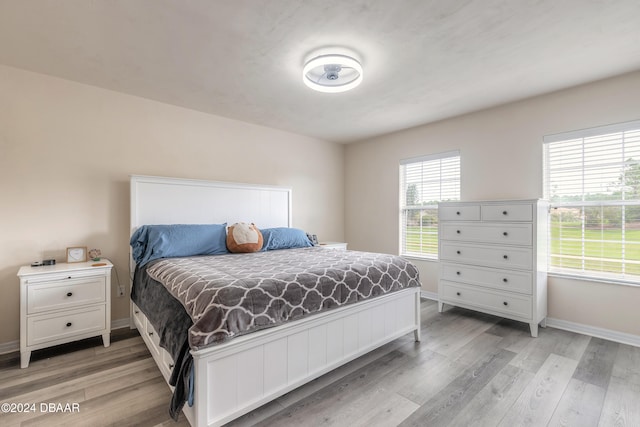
501 158
67 150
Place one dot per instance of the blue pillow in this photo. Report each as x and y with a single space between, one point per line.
151 242
284 238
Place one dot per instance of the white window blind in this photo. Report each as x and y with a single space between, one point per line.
425 181
592 179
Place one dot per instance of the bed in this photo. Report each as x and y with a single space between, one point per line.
271 357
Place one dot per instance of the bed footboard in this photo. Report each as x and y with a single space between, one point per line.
235 378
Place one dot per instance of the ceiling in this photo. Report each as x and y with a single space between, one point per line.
424 60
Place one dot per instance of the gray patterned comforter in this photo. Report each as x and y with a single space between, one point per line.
231 295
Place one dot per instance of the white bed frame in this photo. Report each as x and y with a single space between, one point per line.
257 368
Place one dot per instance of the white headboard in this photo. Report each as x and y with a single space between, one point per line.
158 200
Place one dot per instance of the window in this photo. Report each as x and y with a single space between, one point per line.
592 179
425 181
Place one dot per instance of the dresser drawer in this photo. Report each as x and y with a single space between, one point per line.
459 213
65 293
514 305
509 280
493 256
507 212
509 234
53 327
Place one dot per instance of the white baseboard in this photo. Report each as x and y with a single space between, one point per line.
429 295
11 346
607 334
120 323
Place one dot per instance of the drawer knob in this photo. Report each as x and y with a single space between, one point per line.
458 213
170 365
504 212
69 294
505 256
458 273
150 333
458 293
505 234
137 311
505 303
458 252
458 231
505 280
68 324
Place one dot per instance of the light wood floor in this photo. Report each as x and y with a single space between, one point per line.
469 370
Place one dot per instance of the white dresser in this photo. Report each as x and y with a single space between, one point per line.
62 303
493 258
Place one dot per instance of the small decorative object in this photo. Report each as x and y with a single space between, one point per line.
94 254
77 254
244 238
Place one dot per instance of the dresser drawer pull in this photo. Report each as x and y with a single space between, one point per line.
137 311
505 234
458 213
69 294
171 365
458 252
504 212
150 333
505 256
458 293
505 280
68 324
458 273
505 303
458 231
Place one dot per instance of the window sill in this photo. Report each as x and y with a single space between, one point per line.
419 258
596 279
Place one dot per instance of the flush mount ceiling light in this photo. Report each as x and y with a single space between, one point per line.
332 73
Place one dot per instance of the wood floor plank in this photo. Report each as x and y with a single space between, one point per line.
423 378
536 404
628 358
491 403
549 341
475 349
597 362
580 405
621 404
453 398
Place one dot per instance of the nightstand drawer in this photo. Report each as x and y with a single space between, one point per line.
54 327
63 294
499 302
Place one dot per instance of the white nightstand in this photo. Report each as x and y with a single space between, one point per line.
333 245
62 303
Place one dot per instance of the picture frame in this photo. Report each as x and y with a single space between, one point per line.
76 254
